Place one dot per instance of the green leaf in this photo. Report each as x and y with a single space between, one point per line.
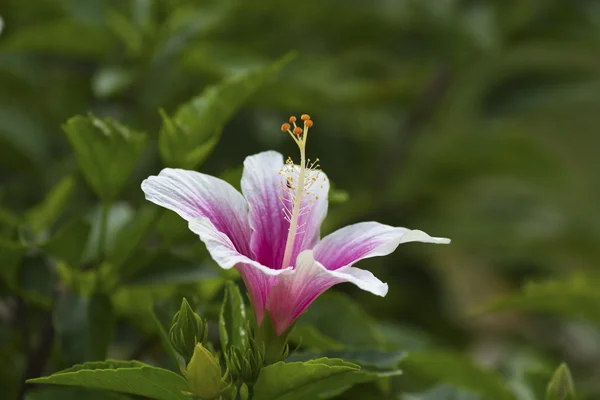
106 152
315 379
11 254
372 359
61 37
47 212
337 317
576 296
131 235
132 377
162 320
456 370
187 138
69 243
165 269
310 337
84 325
74 393
233 320
561 385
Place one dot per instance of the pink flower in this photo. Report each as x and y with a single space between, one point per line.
271 233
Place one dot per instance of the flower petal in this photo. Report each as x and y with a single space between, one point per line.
352 243
297 289
192 194
262 185
257 277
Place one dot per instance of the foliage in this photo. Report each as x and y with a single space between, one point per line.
472 120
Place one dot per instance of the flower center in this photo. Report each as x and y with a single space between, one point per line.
297 198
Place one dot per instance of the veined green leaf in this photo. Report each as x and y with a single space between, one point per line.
132 377
320 378
106 151
187 138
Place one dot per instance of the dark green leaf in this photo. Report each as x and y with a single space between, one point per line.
162 315
233 321
131 235
68 244
106 151
11 254
167 269
85 326
74 393
310 337
576 296
315 379
337 317
61 37
456 370
187 138
46 213
561 385
130 377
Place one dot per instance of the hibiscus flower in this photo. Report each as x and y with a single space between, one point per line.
271 233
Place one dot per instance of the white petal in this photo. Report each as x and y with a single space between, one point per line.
355 242
192 194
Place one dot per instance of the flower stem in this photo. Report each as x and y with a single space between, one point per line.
103 230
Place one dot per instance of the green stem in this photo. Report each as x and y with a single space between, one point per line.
103 230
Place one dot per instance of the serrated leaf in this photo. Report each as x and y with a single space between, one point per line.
372 359
456 370
130 377
232 320
188 137
106 152
47 212
315 379
69 242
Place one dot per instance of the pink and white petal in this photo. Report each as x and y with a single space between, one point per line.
257 277
355 242
262 185
192 194
297 289
259 285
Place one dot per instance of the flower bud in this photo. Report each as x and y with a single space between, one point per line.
204 374
187 329
245 366
561 385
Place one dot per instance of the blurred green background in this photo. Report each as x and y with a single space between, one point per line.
473 120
